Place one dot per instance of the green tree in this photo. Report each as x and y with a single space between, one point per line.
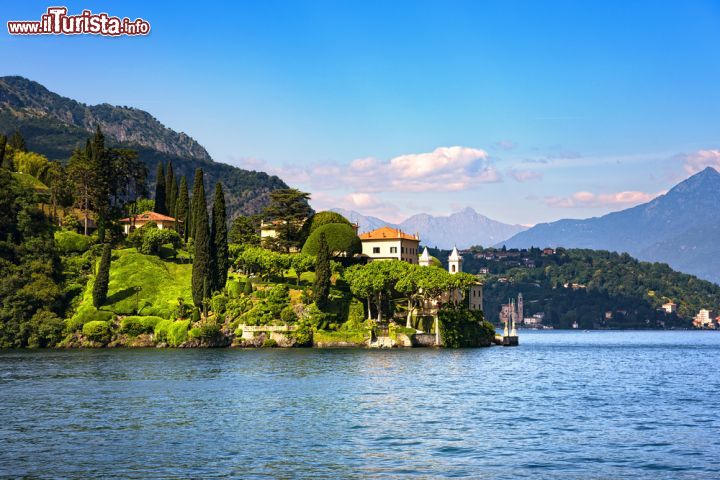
103 179
160 193
321 287
102 279
341 240
245 230
3 164
301 263
182 207
83 177
171 190
218 240
197 184
288 210
202 259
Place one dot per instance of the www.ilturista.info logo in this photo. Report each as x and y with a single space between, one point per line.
57 22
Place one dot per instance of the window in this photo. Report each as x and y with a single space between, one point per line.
376 249
403 249
393 249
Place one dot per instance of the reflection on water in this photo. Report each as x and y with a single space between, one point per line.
562 405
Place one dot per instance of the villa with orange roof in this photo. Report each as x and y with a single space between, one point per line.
387 243
136 221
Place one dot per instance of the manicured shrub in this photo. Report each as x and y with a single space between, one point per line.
219 304
136 325
269 343
97 331
247 288
234 288
356 313
137 236
85 314
341 239
68 242
178 332
156 238
323 218
162 329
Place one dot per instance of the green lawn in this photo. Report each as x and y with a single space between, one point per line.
160 284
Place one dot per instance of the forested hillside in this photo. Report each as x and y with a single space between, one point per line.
54 126
596 289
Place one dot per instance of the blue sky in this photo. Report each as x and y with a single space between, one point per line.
525 111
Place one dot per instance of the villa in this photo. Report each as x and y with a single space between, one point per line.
136 221
387 243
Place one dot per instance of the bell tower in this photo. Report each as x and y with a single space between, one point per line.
455 262
424 260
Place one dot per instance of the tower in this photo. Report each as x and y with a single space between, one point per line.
521 312
455 261
424 258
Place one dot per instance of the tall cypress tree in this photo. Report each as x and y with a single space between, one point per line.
170 190
181 209
160 195
202 261
197 184
218 240
102 279
101 166
323 272
3 142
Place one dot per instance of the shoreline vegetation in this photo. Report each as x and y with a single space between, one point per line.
89 260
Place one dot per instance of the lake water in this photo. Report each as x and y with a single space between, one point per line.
562 405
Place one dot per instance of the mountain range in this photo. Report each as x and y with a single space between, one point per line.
54 126
462 229
680 228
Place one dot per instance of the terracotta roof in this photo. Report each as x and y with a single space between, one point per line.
148 217
387 233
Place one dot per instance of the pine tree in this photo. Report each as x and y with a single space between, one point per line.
102 279
197 184
170 191
3 142
218 240
321 287
202 261
17 142
160 194
181 209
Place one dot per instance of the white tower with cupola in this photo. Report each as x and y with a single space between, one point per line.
424 260
455 262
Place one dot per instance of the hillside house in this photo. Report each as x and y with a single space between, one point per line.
387 243
136 221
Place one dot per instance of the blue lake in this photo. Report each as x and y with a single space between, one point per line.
562 405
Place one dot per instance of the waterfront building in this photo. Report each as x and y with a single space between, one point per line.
387 243
703 319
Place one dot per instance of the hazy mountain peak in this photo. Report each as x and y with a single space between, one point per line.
679 228
462 229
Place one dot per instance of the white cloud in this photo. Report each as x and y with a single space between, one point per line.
593 200
445 169
698 161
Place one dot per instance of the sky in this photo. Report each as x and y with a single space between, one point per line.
526 111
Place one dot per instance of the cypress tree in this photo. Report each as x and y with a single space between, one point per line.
247 289
218 240
102 279
170 190
202 262
321 287
160 195
101 167
3 142
181 209
196 196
